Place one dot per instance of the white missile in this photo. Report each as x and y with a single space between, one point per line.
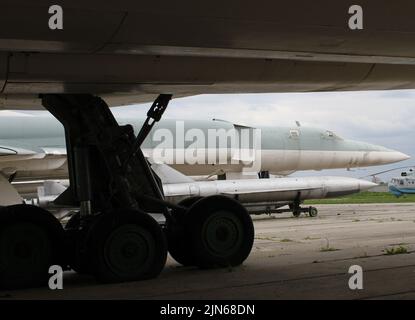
257 195
268 191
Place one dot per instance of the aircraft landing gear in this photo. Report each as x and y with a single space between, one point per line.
215 231
312 212
296 209
126 246
114 237
30 242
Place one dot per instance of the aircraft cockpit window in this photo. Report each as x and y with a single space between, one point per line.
331 135
294 133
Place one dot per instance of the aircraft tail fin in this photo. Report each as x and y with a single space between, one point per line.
168 175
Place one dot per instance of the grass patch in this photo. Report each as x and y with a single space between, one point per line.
365 197
396 250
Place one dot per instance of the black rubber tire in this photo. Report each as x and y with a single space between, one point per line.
76 251
178 249
178 239
31 241
188 202
313 212
221 232
124 235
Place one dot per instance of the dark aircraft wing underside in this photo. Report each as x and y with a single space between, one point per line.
130 51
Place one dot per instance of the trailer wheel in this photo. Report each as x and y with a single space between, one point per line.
30 243
313 212
221 232
126 246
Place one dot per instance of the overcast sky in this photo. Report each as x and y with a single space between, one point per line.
379 117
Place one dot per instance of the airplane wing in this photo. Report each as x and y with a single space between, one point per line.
16 153
268 46
29 162
6 151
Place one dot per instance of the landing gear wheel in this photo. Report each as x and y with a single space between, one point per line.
221 232
126 246
76 251
178 240
30 241
313 212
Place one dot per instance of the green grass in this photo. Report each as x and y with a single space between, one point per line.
396 250
365 197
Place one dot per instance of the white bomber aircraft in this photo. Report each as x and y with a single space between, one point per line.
33 147
76 58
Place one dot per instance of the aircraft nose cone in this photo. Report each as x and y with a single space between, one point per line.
400 156
372 155
394 156
384 156
366 185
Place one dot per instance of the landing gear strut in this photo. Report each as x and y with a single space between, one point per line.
296 208
114 236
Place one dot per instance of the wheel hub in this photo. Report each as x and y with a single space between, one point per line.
222 233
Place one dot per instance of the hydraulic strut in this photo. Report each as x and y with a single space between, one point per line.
154 115
107 169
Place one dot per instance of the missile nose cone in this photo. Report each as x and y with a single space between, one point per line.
366 185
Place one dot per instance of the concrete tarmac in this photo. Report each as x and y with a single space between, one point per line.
292 258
